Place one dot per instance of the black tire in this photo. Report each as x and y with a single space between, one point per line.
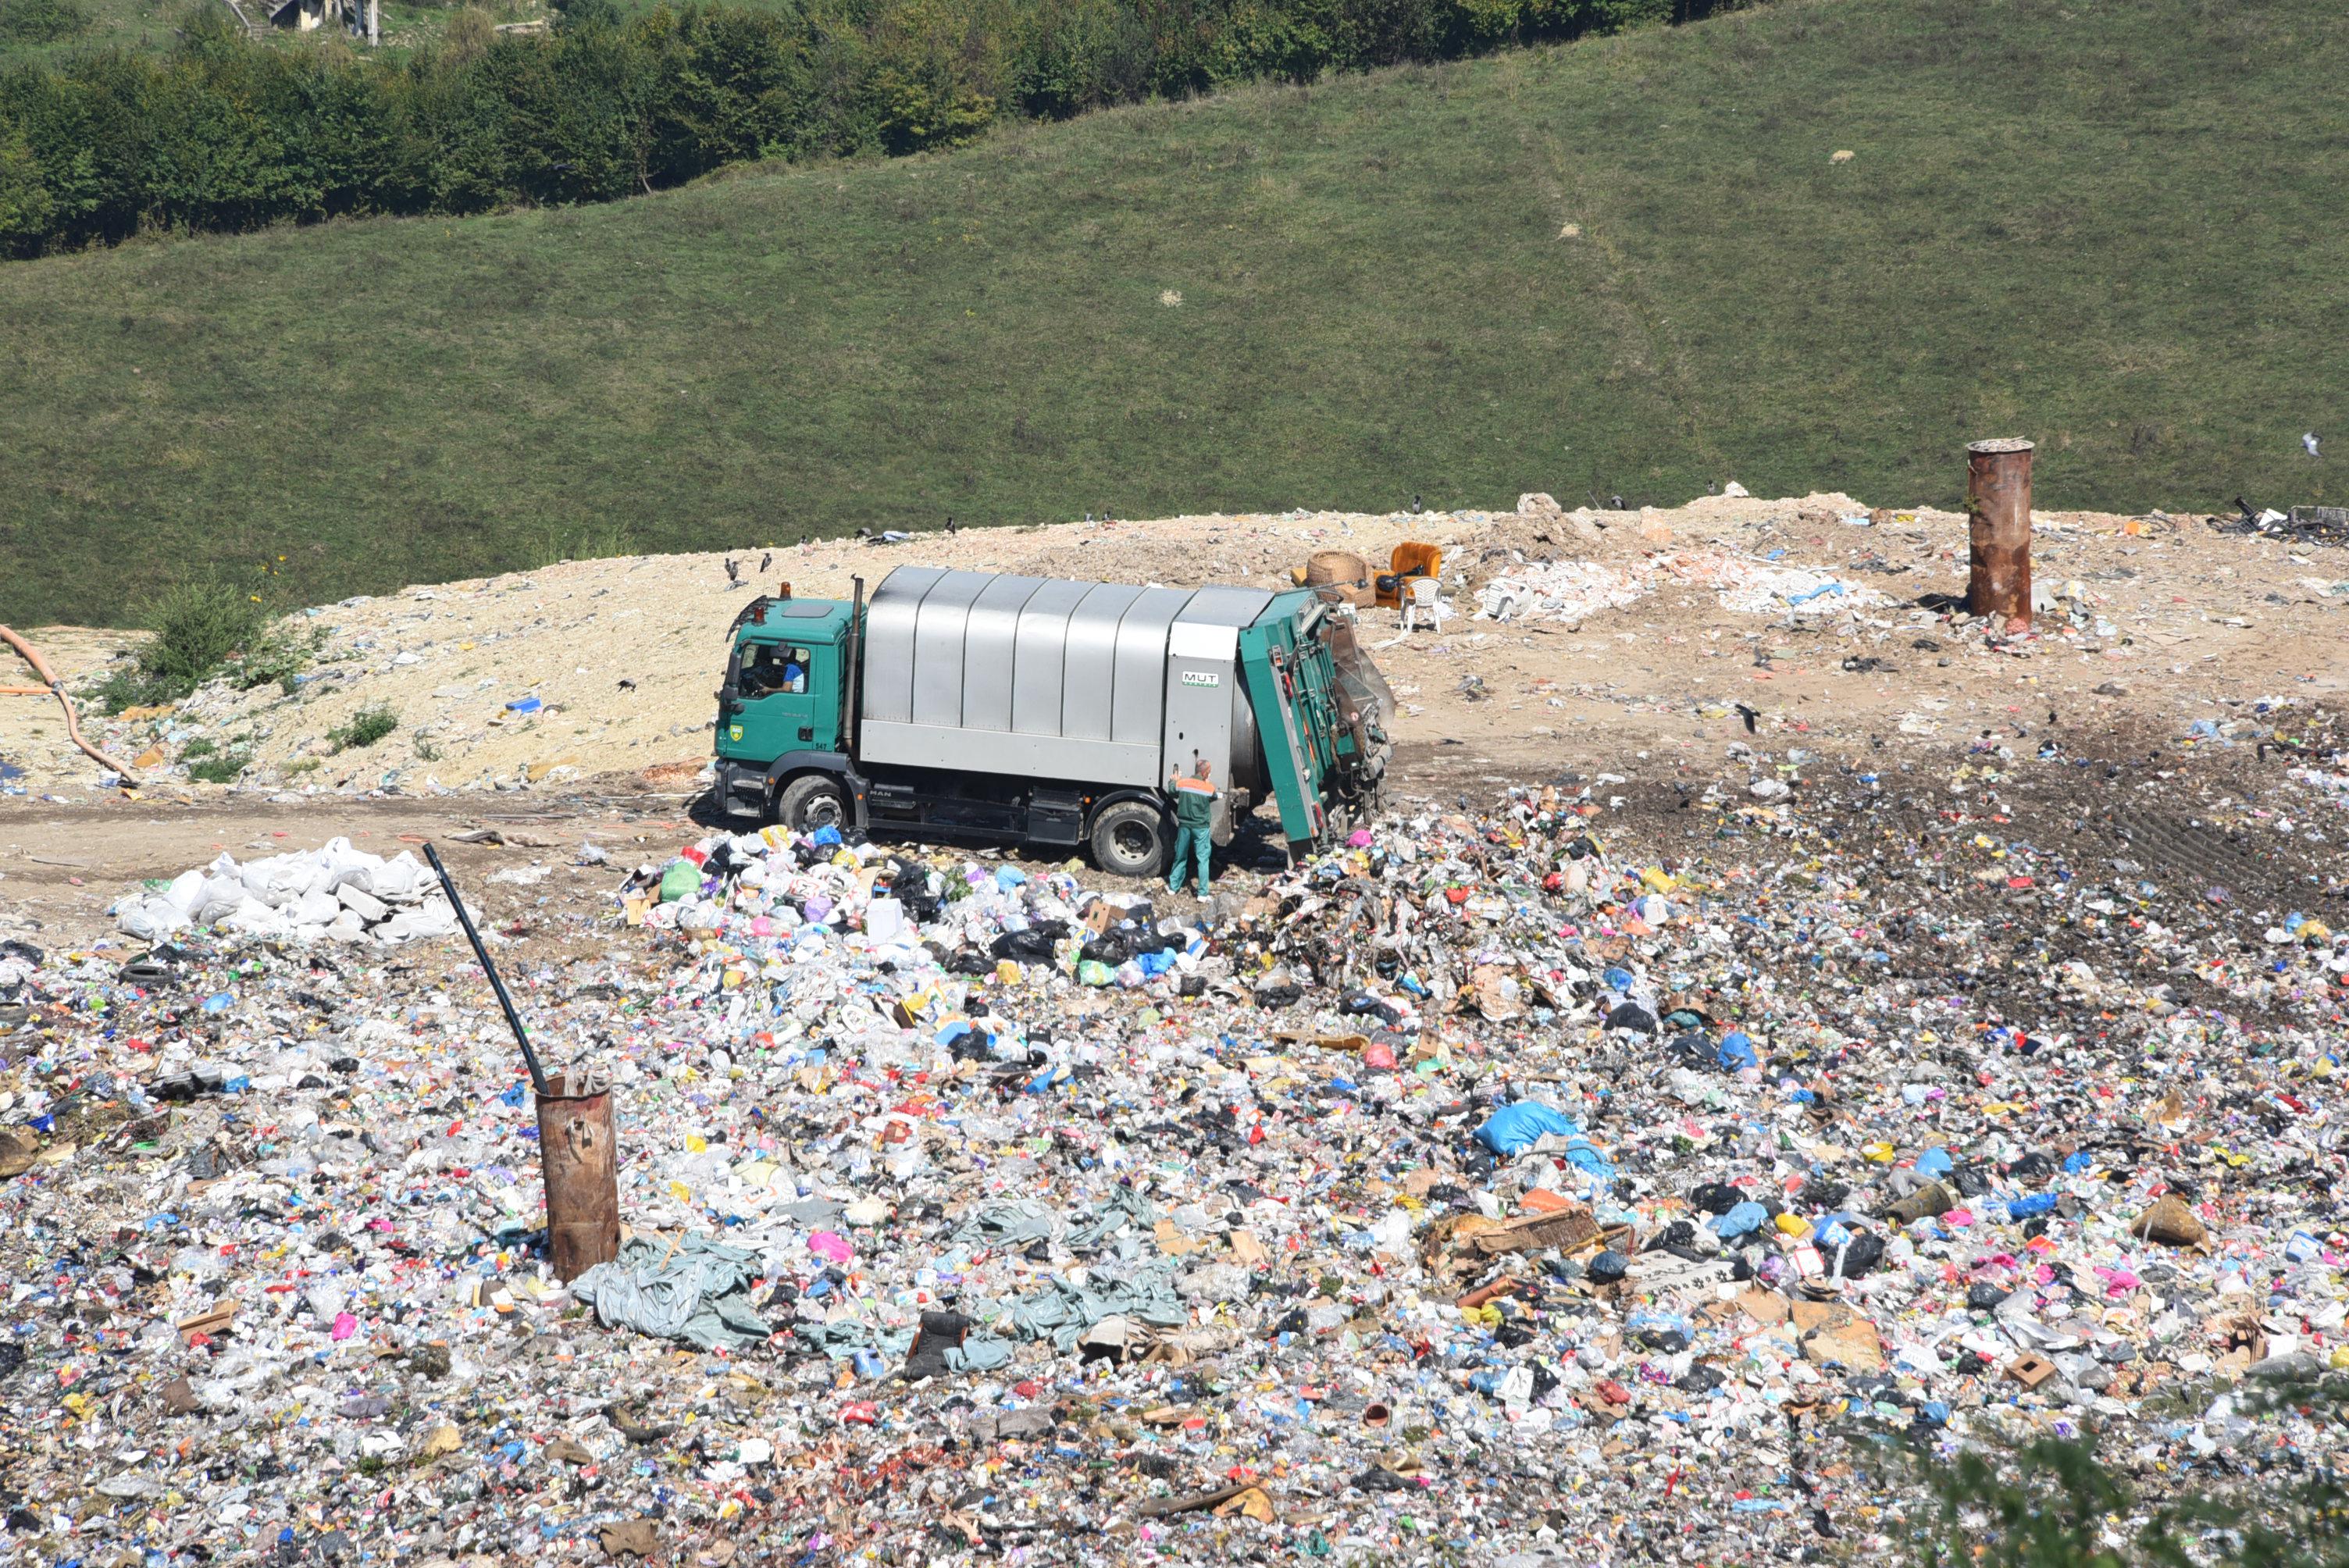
1129 839
810 801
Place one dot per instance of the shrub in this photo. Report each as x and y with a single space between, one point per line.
272 659
225 768
197 626
366 727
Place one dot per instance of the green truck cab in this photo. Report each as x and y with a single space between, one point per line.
1008 710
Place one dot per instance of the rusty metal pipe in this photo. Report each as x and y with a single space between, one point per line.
1998 512
579 1153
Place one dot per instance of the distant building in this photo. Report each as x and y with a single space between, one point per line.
307 15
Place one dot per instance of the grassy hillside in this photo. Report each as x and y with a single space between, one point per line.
1622 266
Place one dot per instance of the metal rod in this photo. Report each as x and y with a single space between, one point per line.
514 1019
1998 512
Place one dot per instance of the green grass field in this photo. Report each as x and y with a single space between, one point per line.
2120 231
32 30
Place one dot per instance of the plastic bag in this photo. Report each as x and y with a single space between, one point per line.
1517 1127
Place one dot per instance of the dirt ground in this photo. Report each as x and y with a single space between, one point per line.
2189 666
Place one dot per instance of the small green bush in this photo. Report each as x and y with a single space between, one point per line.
366 727
272 659
223 768
198 625
124 686
198 748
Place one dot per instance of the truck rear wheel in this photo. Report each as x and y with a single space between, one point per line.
810 801
1129 839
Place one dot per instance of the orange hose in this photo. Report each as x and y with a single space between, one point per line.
56 687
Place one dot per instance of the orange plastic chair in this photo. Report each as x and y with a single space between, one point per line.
1410 559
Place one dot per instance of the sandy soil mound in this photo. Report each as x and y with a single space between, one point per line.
1657 625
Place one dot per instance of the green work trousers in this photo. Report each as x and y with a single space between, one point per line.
1196 843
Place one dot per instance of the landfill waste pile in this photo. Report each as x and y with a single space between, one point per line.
1491 1188
1746 585
336 893
2301 525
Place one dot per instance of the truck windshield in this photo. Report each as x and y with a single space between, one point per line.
762 668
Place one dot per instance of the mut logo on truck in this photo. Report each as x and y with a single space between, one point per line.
1202 677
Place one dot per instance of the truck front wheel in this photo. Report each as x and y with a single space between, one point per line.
1129 839
810 801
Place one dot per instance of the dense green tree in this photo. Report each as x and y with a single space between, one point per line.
227 134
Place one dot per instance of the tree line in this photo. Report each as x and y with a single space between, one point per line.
224 134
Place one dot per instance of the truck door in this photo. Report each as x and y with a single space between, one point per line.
784 697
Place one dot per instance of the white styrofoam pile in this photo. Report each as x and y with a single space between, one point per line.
1557 590
334 893
1574 590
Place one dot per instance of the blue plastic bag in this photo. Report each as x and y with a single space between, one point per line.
1738 1053
1742 1220
1513 1128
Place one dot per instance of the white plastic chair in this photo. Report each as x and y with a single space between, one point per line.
1422 601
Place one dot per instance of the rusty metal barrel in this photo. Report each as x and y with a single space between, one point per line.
1998 511
579 1153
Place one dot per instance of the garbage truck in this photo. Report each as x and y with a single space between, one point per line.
986 708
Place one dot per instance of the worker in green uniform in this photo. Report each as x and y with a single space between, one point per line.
1195 817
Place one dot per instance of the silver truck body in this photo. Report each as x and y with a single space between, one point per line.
1098 682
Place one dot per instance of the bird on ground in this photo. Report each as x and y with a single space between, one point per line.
1088 516
807 543
1416 507
766 561
733 572
1615 503
1749 715
627 685
952 526
2308 439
